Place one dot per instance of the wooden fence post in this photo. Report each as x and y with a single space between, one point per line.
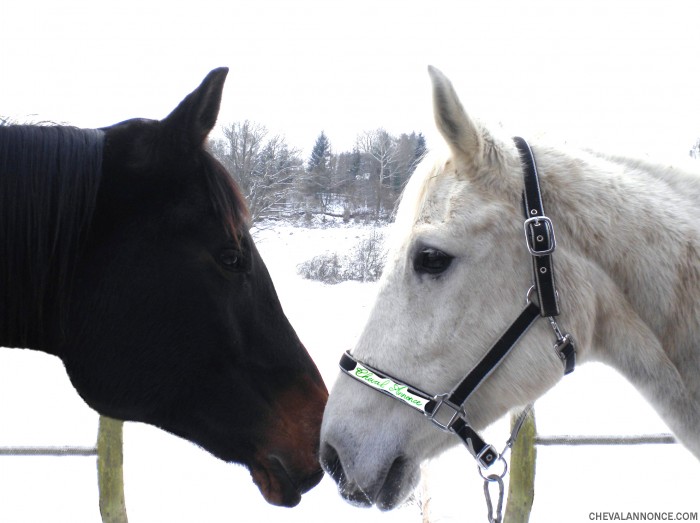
110 470
424 497
521 490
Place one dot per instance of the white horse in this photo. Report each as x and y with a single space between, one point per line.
628 275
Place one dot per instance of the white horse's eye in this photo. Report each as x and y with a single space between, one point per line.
431 261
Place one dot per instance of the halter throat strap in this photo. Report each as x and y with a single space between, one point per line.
447 410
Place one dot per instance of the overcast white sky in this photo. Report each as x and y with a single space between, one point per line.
616 74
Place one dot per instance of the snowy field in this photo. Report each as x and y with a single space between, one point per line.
167 479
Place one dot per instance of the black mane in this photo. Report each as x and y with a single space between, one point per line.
49 177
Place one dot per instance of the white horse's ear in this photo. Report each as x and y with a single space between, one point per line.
463 136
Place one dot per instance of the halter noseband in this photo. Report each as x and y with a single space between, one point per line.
447 410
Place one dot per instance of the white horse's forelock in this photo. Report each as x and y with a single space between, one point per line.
415 193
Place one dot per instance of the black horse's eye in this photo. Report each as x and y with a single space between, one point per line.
431 261
231 259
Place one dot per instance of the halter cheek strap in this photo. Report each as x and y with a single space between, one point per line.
541 243
539 233
447 410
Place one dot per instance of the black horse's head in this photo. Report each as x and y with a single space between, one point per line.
172 318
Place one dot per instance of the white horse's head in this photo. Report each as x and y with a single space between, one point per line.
456 277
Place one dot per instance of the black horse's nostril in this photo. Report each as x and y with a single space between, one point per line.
331 463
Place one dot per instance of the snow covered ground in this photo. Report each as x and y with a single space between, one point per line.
168 479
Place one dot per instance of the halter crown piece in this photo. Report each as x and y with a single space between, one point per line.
446 410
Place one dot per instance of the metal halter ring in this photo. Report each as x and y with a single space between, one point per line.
530 292
492 474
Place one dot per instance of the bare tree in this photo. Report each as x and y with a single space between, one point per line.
275 183
695 150
274 179
265 168
381 147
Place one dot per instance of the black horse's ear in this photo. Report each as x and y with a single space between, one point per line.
191 121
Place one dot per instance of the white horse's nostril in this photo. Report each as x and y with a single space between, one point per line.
330 461
351 492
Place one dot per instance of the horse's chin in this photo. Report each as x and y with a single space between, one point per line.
277 486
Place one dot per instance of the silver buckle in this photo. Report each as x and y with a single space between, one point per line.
550 233
439 410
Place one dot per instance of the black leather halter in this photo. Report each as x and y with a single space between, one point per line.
447 410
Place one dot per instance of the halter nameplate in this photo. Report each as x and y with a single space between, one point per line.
384 383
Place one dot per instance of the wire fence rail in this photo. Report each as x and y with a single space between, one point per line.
521 490
48 451
109 453
110 473
646 439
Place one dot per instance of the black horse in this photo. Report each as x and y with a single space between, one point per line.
126 253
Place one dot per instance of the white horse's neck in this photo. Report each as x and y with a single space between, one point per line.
635 229
641 226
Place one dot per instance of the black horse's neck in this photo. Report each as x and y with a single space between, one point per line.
49 178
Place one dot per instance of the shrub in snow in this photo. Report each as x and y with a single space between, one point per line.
363 263
325 268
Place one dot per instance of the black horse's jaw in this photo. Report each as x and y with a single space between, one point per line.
277 485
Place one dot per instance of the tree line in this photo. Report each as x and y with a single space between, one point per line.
278 183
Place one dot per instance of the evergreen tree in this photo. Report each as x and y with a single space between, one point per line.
420 152
354 172
321 154
320 173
